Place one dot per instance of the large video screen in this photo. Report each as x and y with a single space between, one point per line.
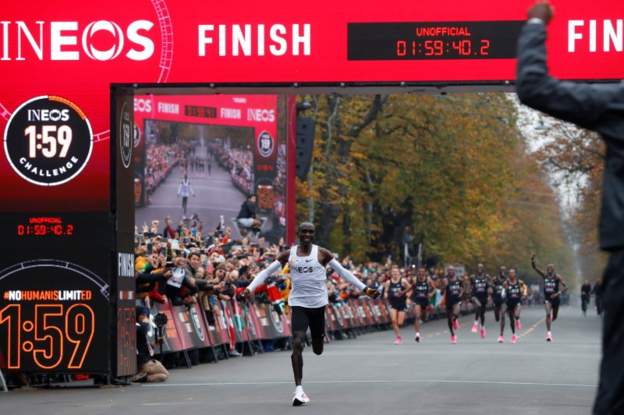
209 166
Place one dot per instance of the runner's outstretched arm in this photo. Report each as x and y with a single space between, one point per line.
274 267
534 265
345 274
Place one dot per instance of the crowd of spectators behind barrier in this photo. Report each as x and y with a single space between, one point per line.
160 161
185 264
238 161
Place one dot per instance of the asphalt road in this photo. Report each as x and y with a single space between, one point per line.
370 375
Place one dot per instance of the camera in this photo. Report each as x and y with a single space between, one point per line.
160 320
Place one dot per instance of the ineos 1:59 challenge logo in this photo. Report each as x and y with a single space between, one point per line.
48 141
265 144
125 136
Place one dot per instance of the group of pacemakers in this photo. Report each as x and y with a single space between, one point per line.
505 289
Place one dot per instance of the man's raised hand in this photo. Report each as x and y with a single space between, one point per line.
541 10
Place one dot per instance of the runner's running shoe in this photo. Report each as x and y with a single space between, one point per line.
300 397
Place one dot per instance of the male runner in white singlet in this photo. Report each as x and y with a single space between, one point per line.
308 296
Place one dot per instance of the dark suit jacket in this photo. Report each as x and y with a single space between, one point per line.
598 107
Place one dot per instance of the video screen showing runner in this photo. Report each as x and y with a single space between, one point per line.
194 182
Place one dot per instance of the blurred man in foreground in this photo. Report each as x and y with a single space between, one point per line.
598 108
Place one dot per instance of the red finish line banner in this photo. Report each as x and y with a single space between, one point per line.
74 50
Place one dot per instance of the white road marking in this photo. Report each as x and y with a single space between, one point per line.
532 328
382 381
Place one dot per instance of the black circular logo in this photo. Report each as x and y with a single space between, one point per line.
265 144
136 136
48 141
126 132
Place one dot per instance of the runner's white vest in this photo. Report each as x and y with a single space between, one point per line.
308 279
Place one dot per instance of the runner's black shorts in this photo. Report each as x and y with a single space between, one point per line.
498 302
451 304
482 299
398 305
554 302
511 305
422 302
301 318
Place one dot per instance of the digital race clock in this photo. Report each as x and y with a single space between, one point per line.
45 230
433 40
200 111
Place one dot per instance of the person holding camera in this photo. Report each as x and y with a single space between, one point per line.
247 217
150 369
308 296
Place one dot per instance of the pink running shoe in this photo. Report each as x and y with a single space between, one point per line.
397 340
518 325
548 336
483 333
454 339
514 339
501 339
475 327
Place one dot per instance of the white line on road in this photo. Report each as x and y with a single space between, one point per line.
533 327
327 382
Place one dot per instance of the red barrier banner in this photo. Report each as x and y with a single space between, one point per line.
201 334
279 322
221 327
240 322
253 323
368 316
342 315
376 312
287 332
385 314
264 317
353 315
184 327
227 318
330 318
212 315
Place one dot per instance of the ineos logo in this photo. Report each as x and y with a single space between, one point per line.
260 115
48 115
142 105
61 39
